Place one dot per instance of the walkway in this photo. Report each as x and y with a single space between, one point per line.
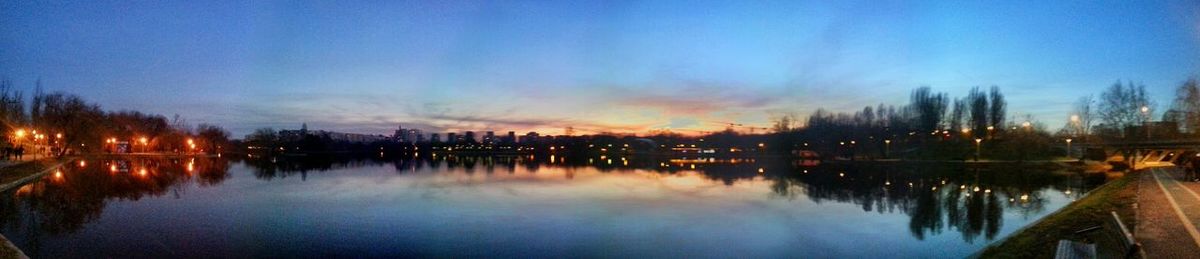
1168 214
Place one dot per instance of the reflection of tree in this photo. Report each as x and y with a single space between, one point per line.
935 198
65 202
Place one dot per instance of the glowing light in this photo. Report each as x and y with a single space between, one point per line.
82 163
1024 197
20 133
761 170
58 174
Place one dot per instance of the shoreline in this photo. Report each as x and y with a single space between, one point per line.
1037 240
32 170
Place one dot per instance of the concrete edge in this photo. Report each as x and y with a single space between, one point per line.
10 245
19 182
30 178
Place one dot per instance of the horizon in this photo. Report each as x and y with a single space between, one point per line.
596 67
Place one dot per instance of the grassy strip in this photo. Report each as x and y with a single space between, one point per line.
1040 240
7 251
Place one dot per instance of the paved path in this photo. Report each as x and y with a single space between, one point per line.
1168 214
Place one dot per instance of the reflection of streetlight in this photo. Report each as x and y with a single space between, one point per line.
977 142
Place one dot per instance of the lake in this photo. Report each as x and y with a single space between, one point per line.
523 206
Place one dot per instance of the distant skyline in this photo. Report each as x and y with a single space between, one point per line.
620 66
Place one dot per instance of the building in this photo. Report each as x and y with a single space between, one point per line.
451 137
435 138
469 137
529 138
489 138
399 134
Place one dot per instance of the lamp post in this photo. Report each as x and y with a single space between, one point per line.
1146 120
1068 147
887 148
977 142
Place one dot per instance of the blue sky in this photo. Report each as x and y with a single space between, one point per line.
623 66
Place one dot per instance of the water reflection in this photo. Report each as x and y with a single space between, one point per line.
935 199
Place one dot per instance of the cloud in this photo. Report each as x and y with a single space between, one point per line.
700 100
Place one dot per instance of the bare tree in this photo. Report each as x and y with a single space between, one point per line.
1122 106
1085 116
1186 108
978 102
996 108
929 107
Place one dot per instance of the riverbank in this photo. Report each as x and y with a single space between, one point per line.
1039 240
18 174
15 175
8 250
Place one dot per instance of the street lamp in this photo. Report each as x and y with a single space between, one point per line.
1068 147
887 148
1146 119
977 142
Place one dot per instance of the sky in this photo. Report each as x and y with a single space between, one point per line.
595 66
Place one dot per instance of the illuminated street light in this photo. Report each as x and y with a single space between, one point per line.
1068 147
887 148
1146 116
20 133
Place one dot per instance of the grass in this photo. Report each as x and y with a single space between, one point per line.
1040 240
6 251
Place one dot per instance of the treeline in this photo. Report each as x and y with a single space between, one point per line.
931 126
68 123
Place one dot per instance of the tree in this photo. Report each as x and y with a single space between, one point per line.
997 107
1121 106
784 123
12 107
266 138
929 108
978 102
211 137
957 114
71 116
1085 115
1186 107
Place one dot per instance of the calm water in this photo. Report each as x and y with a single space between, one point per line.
521 207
